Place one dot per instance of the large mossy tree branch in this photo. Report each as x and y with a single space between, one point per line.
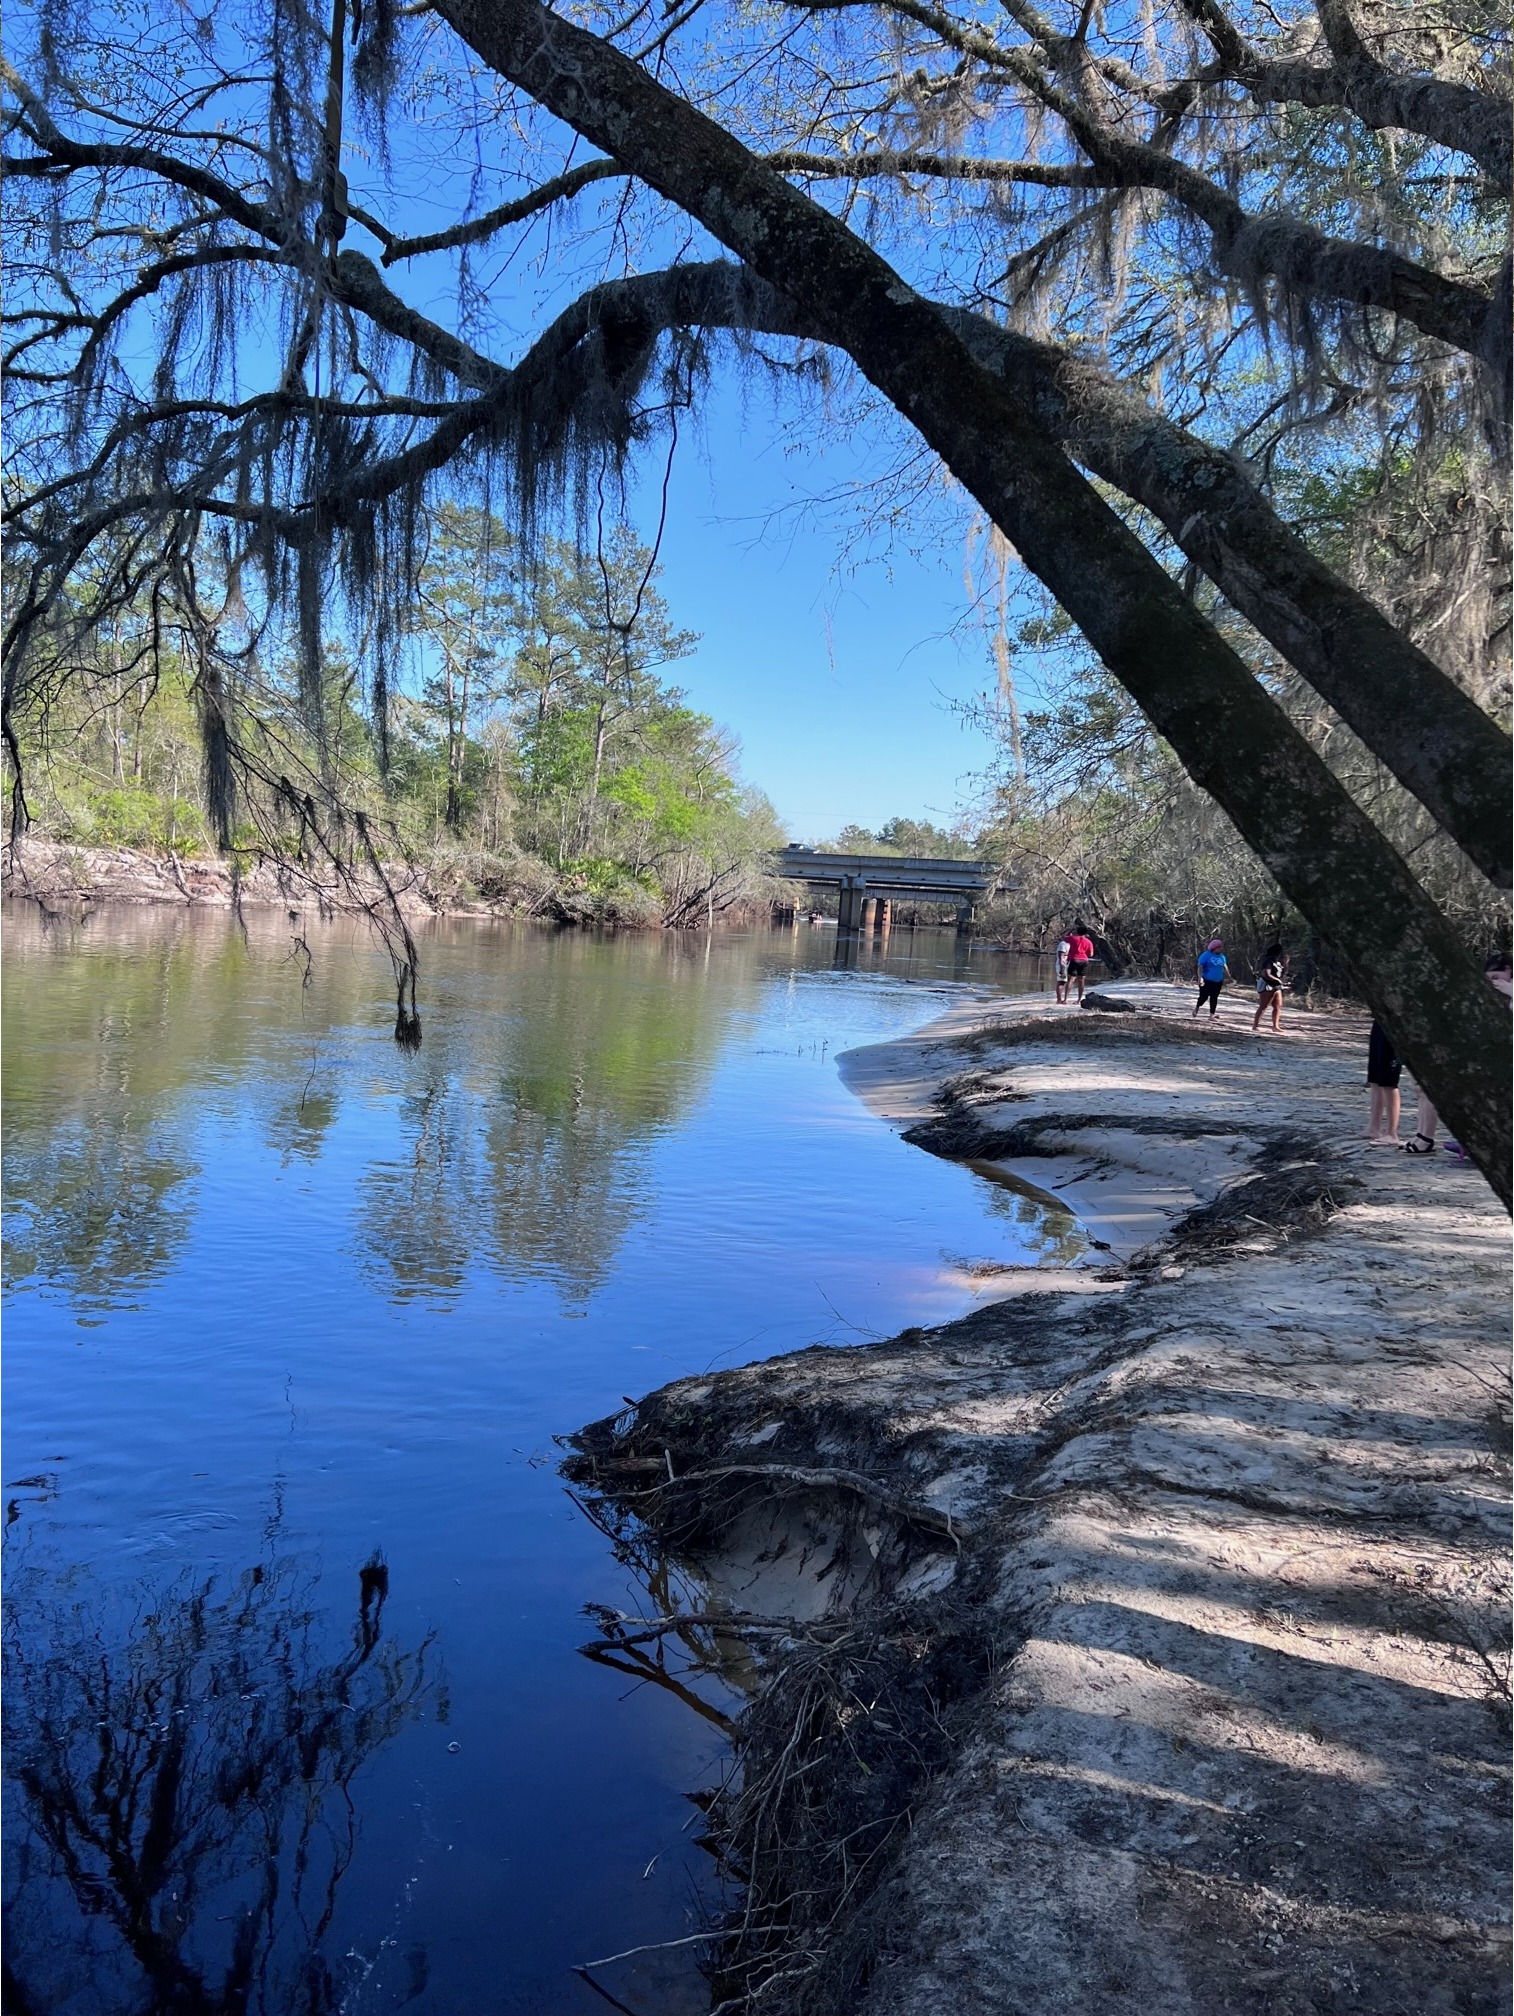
1433 737
1414 718
1458 116
1233 740
1307 264
1411 715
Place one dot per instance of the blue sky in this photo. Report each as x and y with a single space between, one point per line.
836 668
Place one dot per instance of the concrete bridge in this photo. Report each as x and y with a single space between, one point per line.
870 884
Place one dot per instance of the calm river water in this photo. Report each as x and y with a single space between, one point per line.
297 1722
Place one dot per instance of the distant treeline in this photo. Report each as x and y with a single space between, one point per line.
535 752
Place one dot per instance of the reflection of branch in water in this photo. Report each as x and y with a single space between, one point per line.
653 1667
625 1641
315 1065
713 1642
185 1815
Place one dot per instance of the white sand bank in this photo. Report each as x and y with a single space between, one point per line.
1244 1524
1127 1188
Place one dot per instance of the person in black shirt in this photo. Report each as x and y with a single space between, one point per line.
1269 988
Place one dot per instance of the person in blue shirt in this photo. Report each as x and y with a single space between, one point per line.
1213 973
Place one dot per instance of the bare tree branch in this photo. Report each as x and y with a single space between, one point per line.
473 230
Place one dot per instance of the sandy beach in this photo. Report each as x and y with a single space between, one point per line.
1199 1551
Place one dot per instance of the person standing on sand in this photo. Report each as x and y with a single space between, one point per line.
1269 988
1062 944
1079 952
1213 973
1383 1074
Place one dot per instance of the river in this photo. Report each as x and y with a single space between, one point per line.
297 1719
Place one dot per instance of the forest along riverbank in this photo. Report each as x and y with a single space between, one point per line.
1142 1643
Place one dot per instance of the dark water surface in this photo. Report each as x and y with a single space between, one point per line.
296 1716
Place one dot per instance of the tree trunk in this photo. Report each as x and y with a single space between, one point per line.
1436 740
113 716
457 713
1231 737
592 804
1431 735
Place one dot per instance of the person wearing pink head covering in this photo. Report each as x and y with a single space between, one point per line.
1213 973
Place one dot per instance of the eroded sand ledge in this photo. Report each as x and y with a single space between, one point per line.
1199 1558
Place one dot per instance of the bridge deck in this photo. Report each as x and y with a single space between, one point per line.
889 874
866 880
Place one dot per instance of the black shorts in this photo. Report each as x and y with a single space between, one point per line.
1383 1067
1076 968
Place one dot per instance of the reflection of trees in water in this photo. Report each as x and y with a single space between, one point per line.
546 1194
527 1149
551 1064
97 1207
118 1027
1043 1223
110 1023
181 1814
564 1188
420 1218
616 1049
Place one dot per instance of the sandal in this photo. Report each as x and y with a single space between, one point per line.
1422 1144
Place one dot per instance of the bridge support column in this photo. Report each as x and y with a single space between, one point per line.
849 911
883 911
869 913
965 921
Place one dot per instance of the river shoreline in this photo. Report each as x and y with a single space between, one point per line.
1143 1639
60 875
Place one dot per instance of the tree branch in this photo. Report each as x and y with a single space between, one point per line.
64 153
474 230
954 167
356 282
1306 262
1457 116
877 161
